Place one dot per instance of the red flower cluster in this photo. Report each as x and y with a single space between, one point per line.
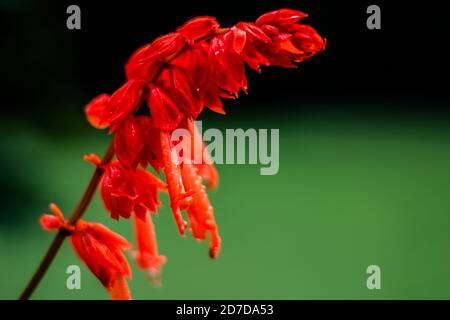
178 74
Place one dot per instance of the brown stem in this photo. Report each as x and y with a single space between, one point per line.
61 235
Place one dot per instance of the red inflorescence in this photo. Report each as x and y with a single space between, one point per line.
177 75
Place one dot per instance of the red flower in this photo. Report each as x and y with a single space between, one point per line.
205 168
199 72
105 111
99 248
124 191
295 41
200 211
137 142
165 112
102 251
227 67
147 256
173 179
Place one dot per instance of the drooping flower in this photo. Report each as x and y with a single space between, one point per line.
227 67
174 183
199 209
137 142
166 114
147 255
99 248
205 168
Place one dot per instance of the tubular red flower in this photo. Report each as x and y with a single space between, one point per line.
205 168
200 211
147 256
173 179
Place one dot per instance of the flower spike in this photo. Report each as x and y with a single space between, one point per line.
168 84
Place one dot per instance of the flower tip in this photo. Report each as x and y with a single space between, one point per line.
214 252
120 289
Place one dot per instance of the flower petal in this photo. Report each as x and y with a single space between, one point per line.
164 111
95 111
198 27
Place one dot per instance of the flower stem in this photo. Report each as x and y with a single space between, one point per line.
61 235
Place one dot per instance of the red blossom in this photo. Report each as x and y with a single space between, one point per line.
147 256
165 112
199 209
205 168
97 246
124 191
173 179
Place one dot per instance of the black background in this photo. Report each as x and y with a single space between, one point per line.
404 65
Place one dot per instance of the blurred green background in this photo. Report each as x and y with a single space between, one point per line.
350 193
